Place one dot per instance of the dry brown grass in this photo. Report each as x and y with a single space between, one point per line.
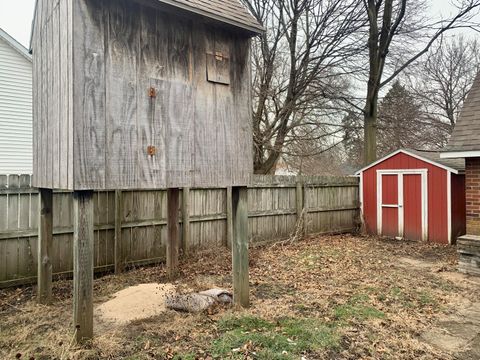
361 289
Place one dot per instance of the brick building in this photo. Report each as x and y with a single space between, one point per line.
465 143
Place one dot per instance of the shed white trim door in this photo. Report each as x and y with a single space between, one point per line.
402 203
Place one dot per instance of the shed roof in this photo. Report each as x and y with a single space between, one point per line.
433 157
466 135
22 50
228 11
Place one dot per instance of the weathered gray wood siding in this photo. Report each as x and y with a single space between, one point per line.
52 95
201 129
331 205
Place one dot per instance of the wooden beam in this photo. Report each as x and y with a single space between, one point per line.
45 240
173 240
83 249
119 260
229 238
186 220
240 246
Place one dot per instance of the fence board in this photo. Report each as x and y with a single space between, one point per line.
331 206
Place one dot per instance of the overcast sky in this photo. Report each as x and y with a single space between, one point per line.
16 16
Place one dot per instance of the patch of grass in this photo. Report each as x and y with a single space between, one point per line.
426 299
286 339
190 356
245 323
398 295
356 308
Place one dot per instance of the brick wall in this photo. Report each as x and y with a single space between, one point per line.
472 180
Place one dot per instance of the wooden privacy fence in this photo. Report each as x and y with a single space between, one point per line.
130 226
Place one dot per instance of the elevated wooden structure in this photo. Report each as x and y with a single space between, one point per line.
140 94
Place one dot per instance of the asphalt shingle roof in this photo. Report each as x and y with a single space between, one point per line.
456 164
466 135
228 11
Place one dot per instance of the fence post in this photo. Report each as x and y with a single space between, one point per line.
45 240
300 204
119 262
240 246
83 248
186 220
229 237
173 195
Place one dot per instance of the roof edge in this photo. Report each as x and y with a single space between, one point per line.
15 45
450 154
406 152
252 29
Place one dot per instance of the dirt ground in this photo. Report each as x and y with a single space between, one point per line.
325 297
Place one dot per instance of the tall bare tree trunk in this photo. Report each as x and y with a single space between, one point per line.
370 128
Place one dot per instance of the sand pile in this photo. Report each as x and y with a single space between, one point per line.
135 303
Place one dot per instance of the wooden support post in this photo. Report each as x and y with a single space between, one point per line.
305 209
229 238
83 248
45 240
173 197
186 220
300 206
119 261
240 246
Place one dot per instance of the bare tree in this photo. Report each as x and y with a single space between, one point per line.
402 123
393 22
442 82
299 67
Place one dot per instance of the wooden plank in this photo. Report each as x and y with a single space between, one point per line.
121 94
49 120
186 231
62 241
300 206
119 259
55 96
241 89
205 150
45 242
35 97
89 95
63 96
152 64
71 95
177 101
229 205
83 248
240 246
173 240
42 174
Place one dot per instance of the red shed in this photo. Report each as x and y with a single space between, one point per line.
414 195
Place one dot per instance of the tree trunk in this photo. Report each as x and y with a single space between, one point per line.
268 166
370 128
370 149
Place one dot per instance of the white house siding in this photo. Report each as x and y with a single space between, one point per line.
15 111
